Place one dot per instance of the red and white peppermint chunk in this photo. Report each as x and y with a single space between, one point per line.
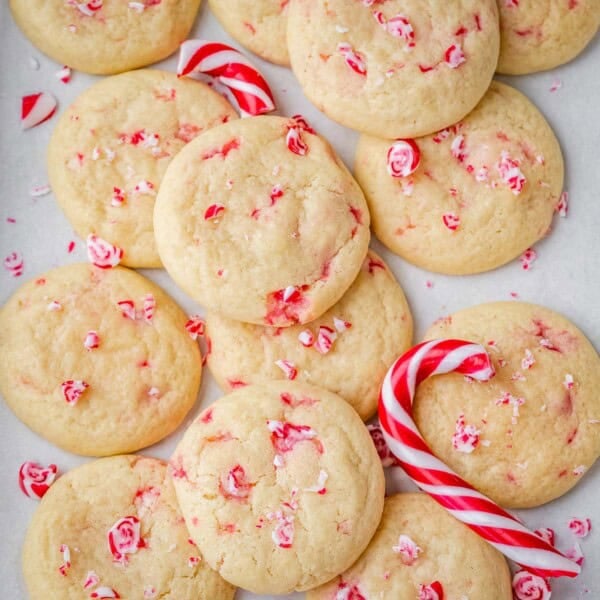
64 74
288 368
91 580
54 306
407 549
91 341
383 450
568 382
285 435
400 26
345 591
562 208
319 488
527 586
195 326
118 197
73 389
527 259
235 484
149 308
14 264
341 325
193 561
214 212
546 534
465 437
325 339
580 527
575 554
306 338
509 170
300 122
507 399
283 534
431 591
454 56
101 253
37 108
403 158
353 59
528 361
104 592
124 539
66 557
127 308
458 148
451 221
145 187
89 9
35 479
295 143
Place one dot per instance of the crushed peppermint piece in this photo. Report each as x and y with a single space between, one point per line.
341 325
528 258
455 56
14 264
407 549
124 538
569 382
54 306
580 527
526 586
403 158
562 208
72 390
66 556
465 437
39 190
101 253
510 173
325 339
195 326
288 368
306 338
575 554
35 479
319 488
91 580
528 361
91 340
353 59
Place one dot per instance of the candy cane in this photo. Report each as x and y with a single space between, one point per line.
232 69
482 515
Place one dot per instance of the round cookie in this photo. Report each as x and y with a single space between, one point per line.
110 149
280 486
348 350
537 35
259 25
97 361
403 68
259 220
484 191
536 424
446 552
105 36
114 524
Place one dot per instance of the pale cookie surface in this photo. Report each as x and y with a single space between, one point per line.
259 220
105 36
396 68
113 526
346 351
260 25
537 35
280 486
97 361
419 543
110 149
484 191
528 435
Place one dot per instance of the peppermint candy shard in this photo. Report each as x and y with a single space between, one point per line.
102 254
232 69
35 479
36 109
73 389
403 158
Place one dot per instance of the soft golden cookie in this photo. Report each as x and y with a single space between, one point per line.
483 191
110 149
416 545
97 361
368 329
113 528
400 68
536 35
259 220
536 425
280 486
260 25
105 36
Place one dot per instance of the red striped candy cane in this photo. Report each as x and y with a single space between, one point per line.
482 515
232 69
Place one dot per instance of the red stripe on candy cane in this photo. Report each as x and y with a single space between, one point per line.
232 69
503 531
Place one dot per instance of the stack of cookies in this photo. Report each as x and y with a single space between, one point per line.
278 486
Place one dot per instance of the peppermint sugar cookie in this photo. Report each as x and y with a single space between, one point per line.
112 529
259 220
395 68
105 36
529 434
110 149
280 486
419 551
97 361
260 25
470 197
537 35
368 328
